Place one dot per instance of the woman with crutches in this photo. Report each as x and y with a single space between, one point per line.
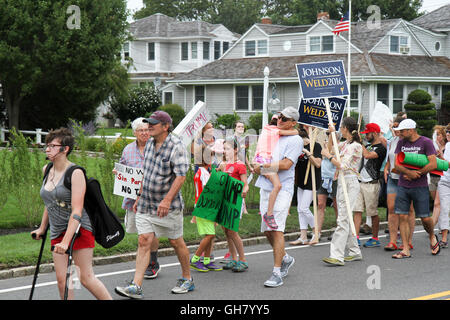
64 211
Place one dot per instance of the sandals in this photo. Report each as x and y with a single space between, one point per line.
299 242
410 246
391 246
240 266
401 255
435 246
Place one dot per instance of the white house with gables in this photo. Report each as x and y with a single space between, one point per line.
388 61
163 47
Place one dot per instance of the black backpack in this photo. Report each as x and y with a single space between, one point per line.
107 228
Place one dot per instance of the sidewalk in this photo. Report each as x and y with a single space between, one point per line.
47 268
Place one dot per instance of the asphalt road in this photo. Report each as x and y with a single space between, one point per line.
377 277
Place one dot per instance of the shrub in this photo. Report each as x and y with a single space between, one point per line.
175 111
422 111
226 120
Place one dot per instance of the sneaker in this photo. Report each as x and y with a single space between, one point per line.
274 281
152 271
211 258
333 261
199 266
183 286
285 265
230 265
226 258
359 242
212 267
356 257
240 266
270 221
371 243
131 291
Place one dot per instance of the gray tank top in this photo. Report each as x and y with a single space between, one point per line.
58 204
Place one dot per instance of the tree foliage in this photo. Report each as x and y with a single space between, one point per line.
49 66
240 15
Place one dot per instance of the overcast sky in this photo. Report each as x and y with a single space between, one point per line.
427 5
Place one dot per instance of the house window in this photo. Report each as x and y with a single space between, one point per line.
205 50
383 93
225 46
199 94
437 46
262 47
321 44
126 50
256 48
184 51
216 50
250 48
151 51
257 95
354 96
168 97
194 50
397 98
249 97
242 97
399 44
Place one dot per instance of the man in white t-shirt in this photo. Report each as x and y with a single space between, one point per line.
284 159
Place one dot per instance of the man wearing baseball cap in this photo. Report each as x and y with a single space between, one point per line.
159 205
284 158
413 186
373 156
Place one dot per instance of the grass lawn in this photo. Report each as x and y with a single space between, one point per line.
20 250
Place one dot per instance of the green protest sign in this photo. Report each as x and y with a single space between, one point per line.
221 201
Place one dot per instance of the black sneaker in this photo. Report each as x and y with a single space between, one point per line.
152 271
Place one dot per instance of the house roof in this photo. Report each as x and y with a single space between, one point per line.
363 65
436 20
160 25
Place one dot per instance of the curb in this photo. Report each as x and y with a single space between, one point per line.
164 252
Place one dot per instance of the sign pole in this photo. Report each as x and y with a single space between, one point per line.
313 180
341 174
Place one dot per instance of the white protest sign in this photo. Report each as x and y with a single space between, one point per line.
382 116
127 182
192 123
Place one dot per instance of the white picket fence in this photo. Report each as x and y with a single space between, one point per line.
40 135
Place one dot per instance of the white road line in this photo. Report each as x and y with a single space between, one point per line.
50 283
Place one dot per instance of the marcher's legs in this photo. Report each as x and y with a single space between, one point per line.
142 256
275 180
305 216
183 256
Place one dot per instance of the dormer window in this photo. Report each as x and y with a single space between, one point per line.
255 48
321 44
399 44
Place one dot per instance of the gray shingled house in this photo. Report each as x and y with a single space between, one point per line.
387 62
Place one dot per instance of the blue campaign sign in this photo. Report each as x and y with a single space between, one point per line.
314 113
322 79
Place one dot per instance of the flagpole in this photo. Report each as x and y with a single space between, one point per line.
349 55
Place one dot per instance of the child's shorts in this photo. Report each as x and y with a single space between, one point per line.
205 227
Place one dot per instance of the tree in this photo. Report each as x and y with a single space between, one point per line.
138 102
63 54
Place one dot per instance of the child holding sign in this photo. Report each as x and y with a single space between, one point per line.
205 227
264 149
236 169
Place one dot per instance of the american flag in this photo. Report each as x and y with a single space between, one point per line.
343 25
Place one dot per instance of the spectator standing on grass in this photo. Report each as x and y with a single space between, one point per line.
133 156
159 206
350 152
284 159
64 211
373 156
391 177
413 186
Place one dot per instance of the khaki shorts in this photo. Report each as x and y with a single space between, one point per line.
171 226
368 198
130 221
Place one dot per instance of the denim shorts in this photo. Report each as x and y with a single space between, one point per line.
420 198
392 185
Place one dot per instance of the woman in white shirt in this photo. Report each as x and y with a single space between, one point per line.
444 195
